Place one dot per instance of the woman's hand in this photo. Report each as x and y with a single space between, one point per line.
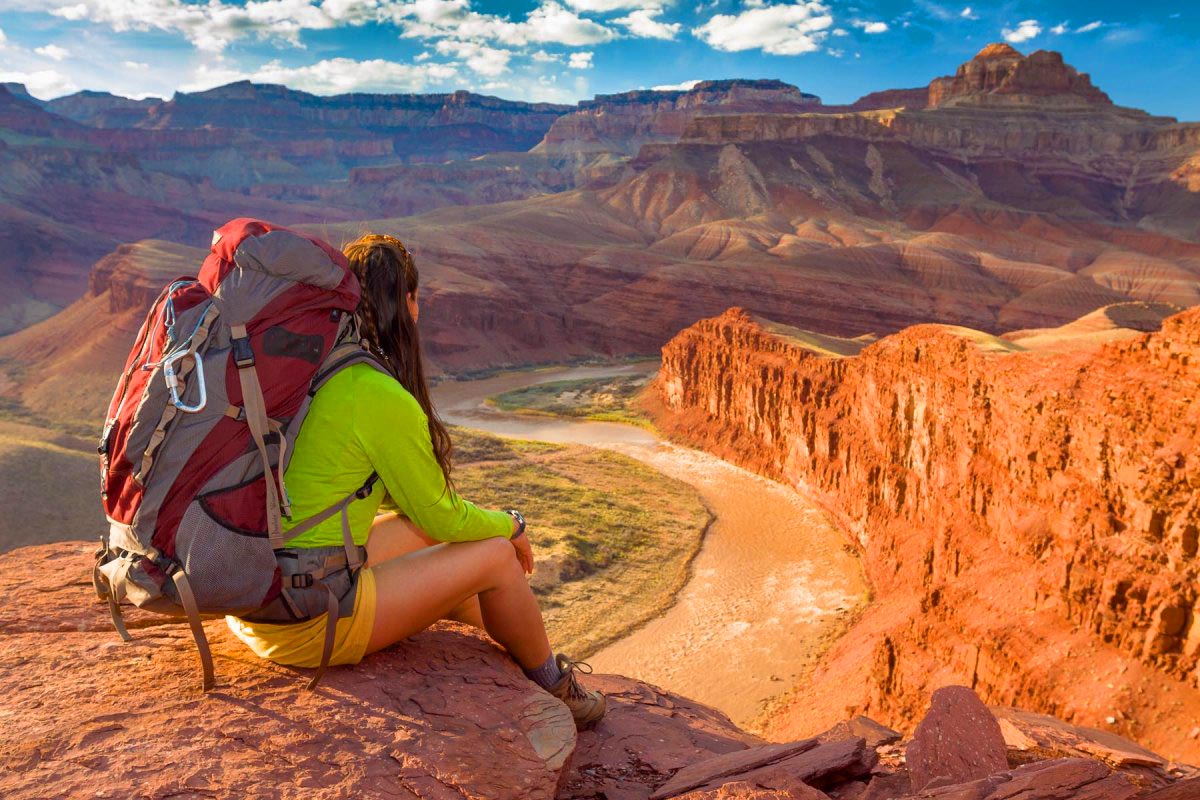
520 543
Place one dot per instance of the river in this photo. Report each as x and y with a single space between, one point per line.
772 583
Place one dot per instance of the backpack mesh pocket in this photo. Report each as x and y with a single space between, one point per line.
229 570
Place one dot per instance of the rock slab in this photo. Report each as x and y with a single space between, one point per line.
777 767
445 714
1061 779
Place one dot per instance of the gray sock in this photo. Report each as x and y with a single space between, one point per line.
546 675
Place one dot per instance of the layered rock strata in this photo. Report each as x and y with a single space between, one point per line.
621 123
1028 517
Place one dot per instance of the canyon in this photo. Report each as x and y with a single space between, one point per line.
959 325
1026 506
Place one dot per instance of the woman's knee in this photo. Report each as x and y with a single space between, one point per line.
499 558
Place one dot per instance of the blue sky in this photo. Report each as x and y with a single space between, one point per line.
1144 54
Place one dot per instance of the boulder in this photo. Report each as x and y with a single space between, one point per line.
958 740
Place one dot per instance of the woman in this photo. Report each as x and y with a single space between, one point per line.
441 557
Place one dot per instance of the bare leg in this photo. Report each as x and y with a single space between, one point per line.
393 536
417 589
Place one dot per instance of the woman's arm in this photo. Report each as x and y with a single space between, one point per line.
393 430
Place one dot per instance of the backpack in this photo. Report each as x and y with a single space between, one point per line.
196 440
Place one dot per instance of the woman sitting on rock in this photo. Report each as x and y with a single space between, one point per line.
441 557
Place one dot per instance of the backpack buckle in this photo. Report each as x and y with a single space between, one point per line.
243 354
303 580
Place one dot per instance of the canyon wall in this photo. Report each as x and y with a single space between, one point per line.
1028 517
620 123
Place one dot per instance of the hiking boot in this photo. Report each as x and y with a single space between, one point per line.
586 707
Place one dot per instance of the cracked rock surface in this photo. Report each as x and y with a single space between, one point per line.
445 714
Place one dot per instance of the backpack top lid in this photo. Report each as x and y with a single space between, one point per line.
279 252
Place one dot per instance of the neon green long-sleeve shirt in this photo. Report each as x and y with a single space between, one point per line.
363 421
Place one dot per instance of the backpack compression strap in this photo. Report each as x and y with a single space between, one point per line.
193 616
256 419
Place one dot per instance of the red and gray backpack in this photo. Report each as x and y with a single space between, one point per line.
196 440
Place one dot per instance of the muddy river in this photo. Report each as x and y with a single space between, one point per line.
772 581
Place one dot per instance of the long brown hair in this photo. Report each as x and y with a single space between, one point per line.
387 274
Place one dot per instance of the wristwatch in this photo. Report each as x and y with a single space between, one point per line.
520 522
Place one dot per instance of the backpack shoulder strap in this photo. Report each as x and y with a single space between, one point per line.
344 355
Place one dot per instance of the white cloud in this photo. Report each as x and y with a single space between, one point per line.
644 23
74 13
1065 27
870 27
214 24
1025 31
43 84
53 51
135 65
604 6
3 38
580 60
782 30
210 26
969 13
333 76
840 32
480 58
549 23
541 56
686 86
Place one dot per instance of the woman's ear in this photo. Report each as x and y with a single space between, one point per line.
414 310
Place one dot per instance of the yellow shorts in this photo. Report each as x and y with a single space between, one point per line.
300 645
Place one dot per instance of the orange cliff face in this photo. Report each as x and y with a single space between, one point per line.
1028 517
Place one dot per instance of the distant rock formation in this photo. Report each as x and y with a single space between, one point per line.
446 714
1028 517
622 123
999 75
135 274
892 98
101 109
